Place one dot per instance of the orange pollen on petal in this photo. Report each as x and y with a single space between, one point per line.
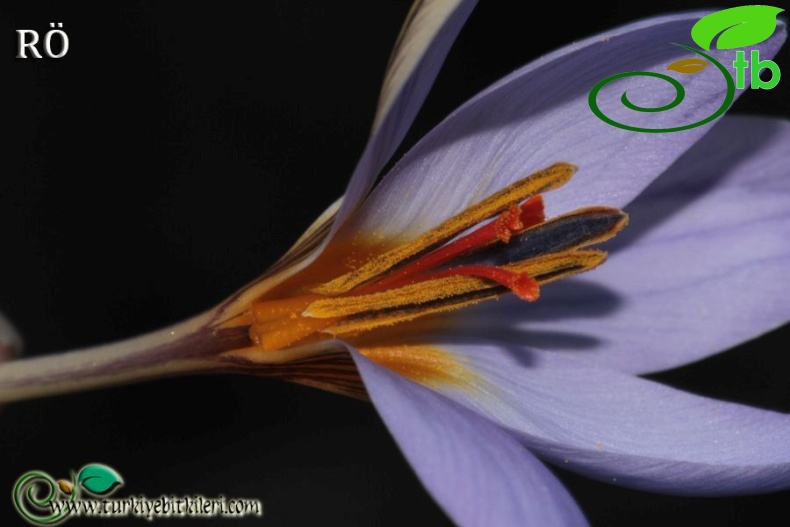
425 365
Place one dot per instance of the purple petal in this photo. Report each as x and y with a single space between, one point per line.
478 473
540 115
622 429
701 268
428 33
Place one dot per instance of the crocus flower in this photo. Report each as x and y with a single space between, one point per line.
474 396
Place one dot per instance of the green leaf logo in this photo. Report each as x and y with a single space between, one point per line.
737 27
99 479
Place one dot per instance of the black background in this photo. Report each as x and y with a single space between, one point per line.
178 150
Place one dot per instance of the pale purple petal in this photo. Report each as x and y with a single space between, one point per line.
702 267
422 46
478 473
540 115
623 429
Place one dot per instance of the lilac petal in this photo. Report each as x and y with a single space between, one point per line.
10 342
425 39
623 429
478 473
701 268
540 115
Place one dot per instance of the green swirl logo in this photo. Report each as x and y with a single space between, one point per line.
28 491
731 28
40 500
680 94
